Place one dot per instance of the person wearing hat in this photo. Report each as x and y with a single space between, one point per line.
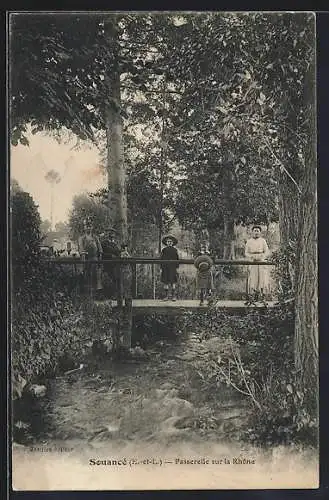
256 249
169 274
111 250
91 251
204 278
126 271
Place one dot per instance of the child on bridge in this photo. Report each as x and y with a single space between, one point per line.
169 274
204 278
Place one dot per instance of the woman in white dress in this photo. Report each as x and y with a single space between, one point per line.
257 250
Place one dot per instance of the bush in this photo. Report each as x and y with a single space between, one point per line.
46 325
254 355
25 237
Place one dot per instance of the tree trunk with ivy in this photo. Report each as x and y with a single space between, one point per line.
289 214
228 222
306 305
288 210
117 197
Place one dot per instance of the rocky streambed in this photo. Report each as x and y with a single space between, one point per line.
155 396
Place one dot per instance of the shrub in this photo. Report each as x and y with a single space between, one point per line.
254 355
46 325
25 237
46 315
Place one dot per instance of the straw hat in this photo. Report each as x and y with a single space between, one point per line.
204 266
169 237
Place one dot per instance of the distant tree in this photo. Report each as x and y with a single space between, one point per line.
87 206
14 186
62 227
53 178
45 227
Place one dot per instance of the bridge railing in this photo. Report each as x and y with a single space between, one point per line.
79 266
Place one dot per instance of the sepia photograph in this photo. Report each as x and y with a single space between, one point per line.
163 255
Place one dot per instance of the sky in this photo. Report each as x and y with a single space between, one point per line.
80 172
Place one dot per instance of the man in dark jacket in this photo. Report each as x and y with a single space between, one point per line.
111 251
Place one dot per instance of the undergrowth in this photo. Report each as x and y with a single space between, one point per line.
257 362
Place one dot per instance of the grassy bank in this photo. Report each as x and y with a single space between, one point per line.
258 363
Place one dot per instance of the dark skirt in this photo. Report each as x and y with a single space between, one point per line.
205 280
169 274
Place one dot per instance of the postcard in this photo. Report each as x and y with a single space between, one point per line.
163 229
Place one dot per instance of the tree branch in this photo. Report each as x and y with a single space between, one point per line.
281 165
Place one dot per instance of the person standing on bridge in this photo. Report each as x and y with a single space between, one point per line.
111 250
126 272
204 278
169 274
91 251
257 279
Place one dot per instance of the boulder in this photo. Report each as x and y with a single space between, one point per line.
166 386
188 356
173 406
162 393
18 385
38 391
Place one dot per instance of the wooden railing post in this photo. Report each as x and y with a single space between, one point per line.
134 280
153 280
120 286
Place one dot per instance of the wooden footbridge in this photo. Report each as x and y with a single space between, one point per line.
154 305
174 308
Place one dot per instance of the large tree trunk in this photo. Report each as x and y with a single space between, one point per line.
114 137
306 306
288 210
229 239
115 163
306 327
289 214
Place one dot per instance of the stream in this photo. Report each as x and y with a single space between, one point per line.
157 398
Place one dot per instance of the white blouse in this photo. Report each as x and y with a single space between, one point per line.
256 249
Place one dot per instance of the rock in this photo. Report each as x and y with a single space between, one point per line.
138 352
172 393
21 425
216 344
160 393
168 427
166 386
184 392
228 414
80 367
17 445
38 391
165 393
18 385
113 428
108 344
173 406
189 356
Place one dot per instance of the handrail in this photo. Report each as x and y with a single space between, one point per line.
141 260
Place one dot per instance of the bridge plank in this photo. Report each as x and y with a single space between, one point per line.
149 306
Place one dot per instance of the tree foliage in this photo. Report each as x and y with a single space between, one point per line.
45 227
25 237
87 207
